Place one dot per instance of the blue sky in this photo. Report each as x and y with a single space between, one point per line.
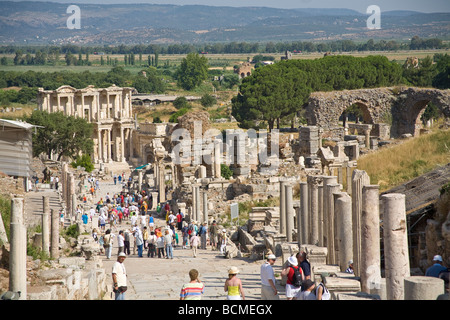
358 5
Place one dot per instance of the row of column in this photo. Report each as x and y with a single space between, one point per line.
18 243
104 144
350 228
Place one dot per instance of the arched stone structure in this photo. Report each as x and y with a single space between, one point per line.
411 104
403 105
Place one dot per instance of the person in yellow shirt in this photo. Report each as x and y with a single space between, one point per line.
233 285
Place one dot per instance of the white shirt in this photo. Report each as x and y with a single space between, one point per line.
267 274
121 273
120 240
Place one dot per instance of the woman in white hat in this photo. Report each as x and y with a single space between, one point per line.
223 241
233 285
294 280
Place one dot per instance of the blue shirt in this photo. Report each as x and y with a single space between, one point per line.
434 270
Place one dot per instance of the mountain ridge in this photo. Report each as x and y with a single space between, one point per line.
45 22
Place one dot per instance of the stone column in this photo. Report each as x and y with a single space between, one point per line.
282 207
3 235
304 213
205 206
18 250
217 158
54 248
331 220
194 203
71 190
130 143
140 176
74 207
367 138
320 215
327 180
359 179
343 211
162 184
423 288
46 225
289 211
198 204
63 181
108 156
313 190
336 227
154 201
100 147
395 245
122 144
370 270
348 172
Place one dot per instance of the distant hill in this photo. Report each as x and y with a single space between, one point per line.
45 23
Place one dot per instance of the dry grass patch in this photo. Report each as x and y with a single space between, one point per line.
393 166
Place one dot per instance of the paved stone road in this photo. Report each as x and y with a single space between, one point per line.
162 279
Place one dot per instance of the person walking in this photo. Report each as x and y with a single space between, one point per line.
168 239
322 292
223 241
185 233
160 244
139 241
294 279
194 289
213 233
126 242
119 276
233 285
203 234
268 289
151 245
194 241
108 243
120 242
304 264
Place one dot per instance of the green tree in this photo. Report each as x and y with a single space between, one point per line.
208 100
60 134
181 102
192 71
270 93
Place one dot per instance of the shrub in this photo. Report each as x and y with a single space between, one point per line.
225 171
84 161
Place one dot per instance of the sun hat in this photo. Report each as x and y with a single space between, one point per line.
293 260
233 270
437 258
122 254
271 257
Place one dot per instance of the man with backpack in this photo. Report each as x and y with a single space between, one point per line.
294 280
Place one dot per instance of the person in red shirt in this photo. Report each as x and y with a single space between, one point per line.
179 219
294 278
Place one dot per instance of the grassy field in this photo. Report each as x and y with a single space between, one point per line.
392 166
216 61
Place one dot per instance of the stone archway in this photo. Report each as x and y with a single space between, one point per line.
403 105
364 109
410 106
